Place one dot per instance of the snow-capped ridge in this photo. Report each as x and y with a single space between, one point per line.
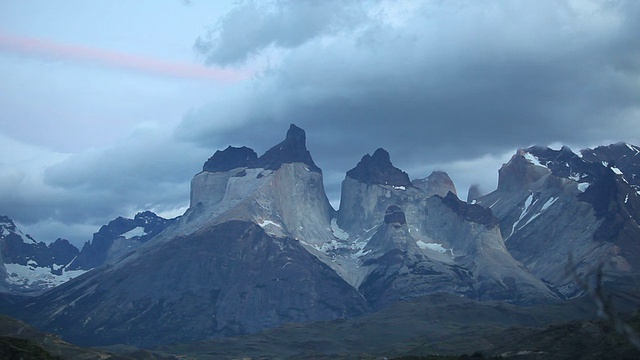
553 203
30 265
8 227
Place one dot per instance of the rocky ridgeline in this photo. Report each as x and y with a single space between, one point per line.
28 266
260 246
554 205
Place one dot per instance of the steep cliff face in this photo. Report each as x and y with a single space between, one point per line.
286 196
555 205
369 189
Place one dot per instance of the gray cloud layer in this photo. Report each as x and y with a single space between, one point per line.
444 81
254 26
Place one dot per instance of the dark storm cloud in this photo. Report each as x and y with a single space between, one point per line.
445 81
147 171
254 26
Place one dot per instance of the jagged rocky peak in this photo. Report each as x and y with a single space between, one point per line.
8 228
282 191
394 216
230 158
28 265
293 149
437 183
611 152
119 236
621 156
378 169
562 163
522 170
146 218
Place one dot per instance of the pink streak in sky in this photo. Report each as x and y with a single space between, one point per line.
57 51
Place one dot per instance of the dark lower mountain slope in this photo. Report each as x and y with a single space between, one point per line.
585 340
226 280
21 341
433 324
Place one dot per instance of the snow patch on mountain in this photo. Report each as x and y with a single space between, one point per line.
433 247
265 223
31 275
527 204
359 246
533 159
337 231
7 229
135 232
582 187
548 203
632 148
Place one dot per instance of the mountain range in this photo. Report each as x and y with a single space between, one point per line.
260 246
28 266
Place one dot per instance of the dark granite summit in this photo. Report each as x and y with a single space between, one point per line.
377 169
292 149
230 158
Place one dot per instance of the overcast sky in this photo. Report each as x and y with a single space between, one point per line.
110 107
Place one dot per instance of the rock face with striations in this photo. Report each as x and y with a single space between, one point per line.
367 191
555 204
281 190
415 243
456 248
